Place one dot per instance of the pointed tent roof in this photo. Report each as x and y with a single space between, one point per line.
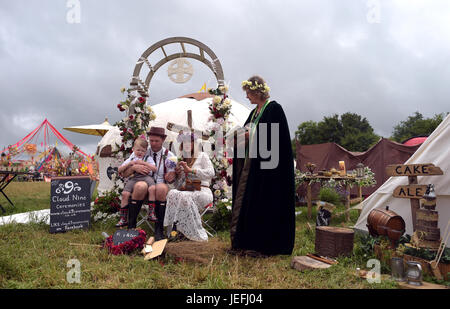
433 150
92 129
35 134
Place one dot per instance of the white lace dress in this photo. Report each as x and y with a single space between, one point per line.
184 207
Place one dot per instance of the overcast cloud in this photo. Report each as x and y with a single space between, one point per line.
318 57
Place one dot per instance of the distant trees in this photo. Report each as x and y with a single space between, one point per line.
354 132
416 125
351 131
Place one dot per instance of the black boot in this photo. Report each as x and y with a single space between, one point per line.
160 211
133 211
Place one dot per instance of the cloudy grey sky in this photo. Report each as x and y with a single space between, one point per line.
381 59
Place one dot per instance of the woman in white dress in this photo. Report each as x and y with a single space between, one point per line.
183 208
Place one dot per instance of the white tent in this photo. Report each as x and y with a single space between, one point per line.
174 111
436 150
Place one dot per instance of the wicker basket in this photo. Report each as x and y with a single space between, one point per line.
334 241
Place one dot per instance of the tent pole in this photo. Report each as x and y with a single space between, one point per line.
415 205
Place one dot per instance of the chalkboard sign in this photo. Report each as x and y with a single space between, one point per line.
121 236
70 203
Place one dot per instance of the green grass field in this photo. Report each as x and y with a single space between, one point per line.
26 196
31 257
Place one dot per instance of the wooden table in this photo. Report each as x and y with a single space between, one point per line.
5 180
308 180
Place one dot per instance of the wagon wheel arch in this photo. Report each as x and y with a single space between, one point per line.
142 86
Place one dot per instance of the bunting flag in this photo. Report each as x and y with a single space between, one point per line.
203 88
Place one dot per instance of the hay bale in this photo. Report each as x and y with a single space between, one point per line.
197 252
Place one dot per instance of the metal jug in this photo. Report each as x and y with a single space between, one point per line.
397 269
414 273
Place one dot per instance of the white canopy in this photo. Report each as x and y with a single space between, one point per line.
92 129
434 150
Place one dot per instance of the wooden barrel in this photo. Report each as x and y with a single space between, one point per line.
334 241
383 222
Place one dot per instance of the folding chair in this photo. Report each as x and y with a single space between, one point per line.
143 216
208 209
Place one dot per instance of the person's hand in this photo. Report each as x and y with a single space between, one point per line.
178 169
169 177
242 139
185 167
141 169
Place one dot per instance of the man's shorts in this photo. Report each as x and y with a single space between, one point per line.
130 182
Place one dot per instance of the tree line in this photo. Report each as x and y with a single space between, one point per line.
354 132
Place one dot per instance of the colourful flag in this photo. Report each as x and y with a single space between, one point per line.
203 88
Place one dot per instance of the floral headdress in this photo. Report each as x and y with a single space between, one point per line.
187 137
246 84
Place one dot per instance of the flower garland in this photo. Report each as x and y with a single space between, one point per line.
249 85
136 123
220 109
368 180
126 247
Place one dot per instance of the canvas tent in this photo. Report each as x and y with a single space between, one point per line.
434 150
327 156
174 111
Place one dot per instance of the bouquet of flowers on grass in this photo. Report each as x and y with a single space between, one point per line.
126 247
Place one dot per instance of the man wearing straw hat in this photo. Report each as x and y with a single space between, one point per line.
156 137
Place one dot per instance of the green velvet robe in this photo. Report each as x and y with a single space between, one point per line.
263 214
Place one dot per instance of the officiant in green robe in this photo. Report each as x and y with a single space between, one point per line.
263 210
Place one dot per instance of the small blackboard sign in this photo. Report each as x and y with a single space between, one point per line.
70 203
121 236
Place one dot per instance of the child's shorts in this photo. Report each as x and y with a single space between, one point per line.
130 182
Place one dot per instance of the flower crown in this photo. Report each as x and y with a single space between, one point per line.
186 137
256 86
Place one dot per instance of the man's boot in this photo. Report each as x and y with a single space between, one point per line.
160 210
123 211
133 211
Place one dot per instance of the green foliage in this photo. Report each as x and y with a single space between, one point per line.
308 133
351 131
108 203
428 254
366 244
416 125
106 206
329 195
221 218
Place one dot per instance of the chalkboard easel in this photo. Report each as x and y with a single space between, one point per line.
70 203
